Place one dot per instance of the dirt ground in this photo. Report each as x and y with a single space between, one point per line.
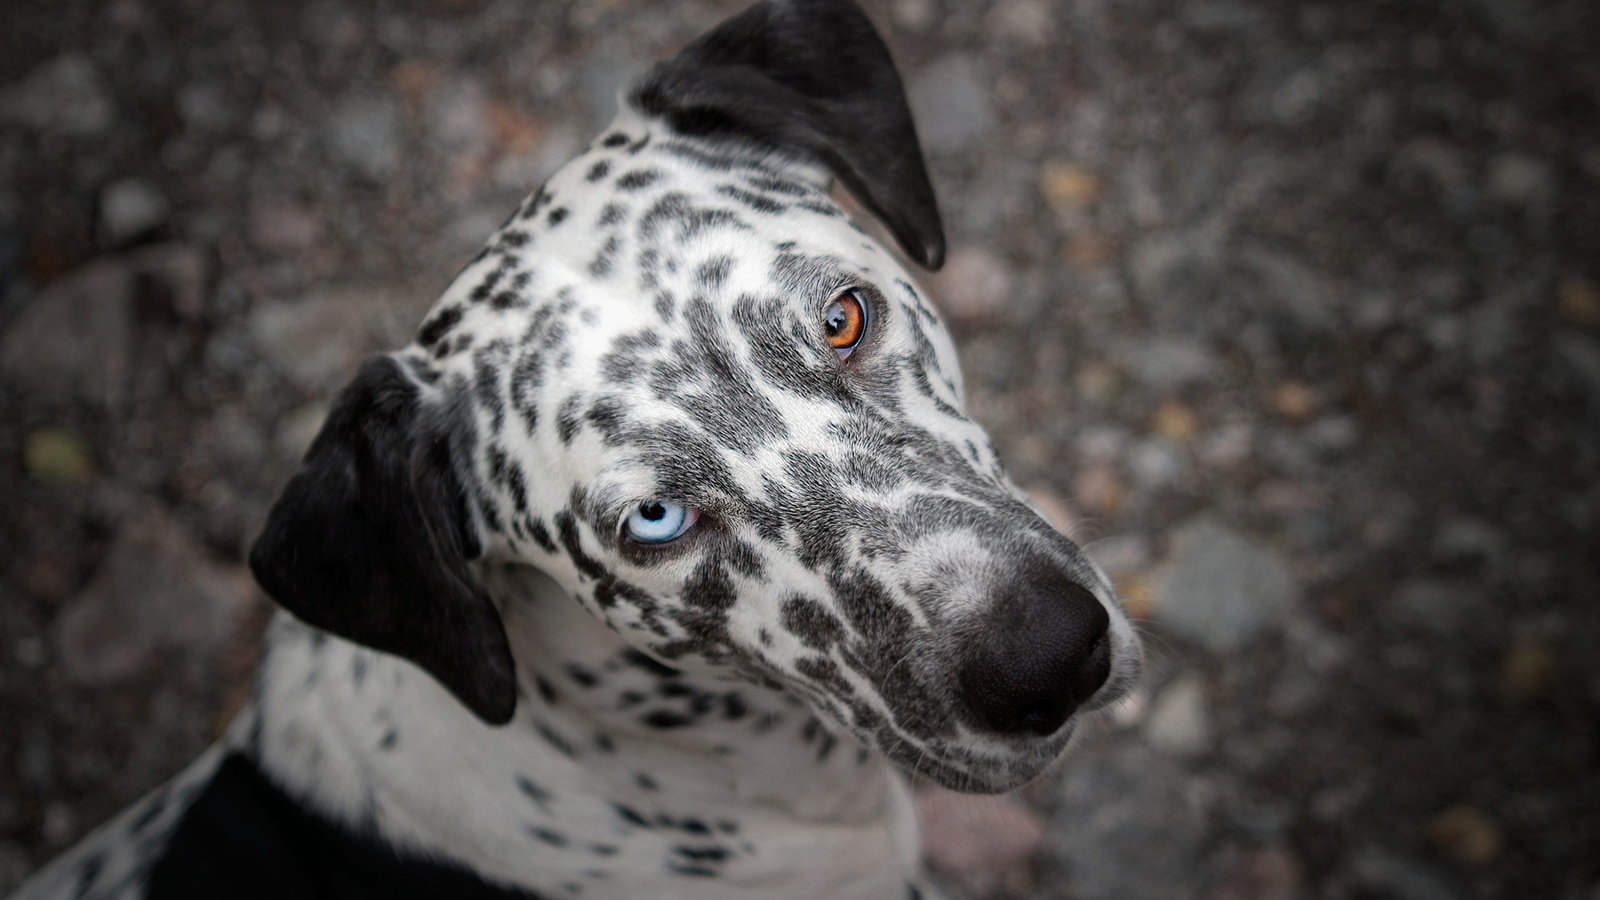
1290 312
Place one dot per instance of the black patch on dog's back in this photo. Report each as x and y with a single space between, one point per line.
244 838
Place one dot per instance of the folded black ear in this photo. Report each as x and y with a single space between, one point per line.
370 541
811 76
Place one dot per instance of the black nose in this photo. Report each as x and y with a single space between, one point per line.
1040 651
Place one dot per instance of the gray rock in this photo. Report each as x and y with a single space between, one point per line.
1297 692
278 225
974 285
1580 356
1435 605
14 866
1227 446
1028 22
1286 92
602 81
1333 434
130 209
1393 877
1520 179
1163 363
155 590
205 107
1180 721
950 104
1289 452
64 96
1129 826
1439 162
1120 556
1290 289
1219 18
1154 464
1220 588
74 338
365 132
457 114
298 429
1175 273
914 15
1465 538
36 761
318 342
1311 529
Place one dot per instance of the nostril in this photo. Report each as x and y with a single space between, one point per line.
1040 717
1094 671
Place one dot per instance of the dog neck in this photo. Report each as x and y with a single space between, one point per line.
609 756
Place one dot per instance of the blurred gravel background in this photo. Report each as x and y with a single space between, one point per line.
1290 312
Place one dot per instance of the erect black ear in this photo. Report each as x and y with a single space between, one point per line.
811 76
370 541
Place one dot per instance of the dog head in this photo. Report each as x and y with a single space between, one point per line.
682 383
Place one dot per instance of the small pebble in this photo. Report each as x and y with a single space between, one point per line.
1579 299
1068 186
1294 401
56 456
1175 422
1529 669
1466 835
1179 722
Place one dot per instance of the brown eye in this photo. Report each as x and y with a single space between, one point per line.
845 323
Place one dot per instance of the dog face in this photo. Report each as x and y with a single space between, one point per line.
685 385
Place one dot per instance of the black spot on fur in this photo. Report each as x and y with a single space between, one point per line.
556 216
546 692
704 854
555 740
541 535
553 838
825 673
666 719
758 202
631 816
88 872
675 209
600 266
567 418
809 621
713 272
614 139
438 326
611 214
582 676
567 527
775 184
597 171
624 362
648 663
636 179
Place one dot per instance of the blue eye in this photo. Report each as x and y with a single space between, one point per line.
659 522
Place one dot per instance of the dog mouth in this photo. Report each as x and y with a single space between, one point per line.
971 761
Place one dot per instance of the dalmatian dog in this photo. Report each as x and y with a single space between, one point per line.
662 555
